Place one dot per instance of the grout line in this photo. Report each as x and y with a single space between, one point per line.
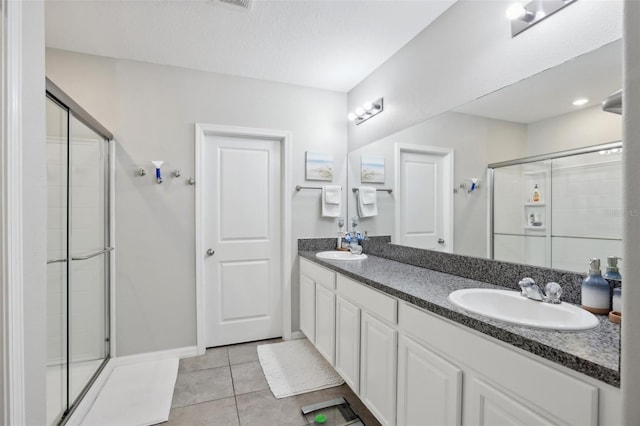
203 402
235 397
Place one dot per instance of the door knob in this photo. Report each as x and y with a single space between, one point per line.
211 252
440 241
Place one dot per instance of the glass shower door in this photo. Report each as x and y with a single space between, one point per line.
78 264
89 242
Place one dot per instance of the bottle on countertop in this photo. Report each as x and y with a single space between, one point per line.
535 197
596 292
612 272
615 315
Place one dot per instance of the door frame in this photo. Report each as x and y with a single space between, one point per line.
202 130
12 328
447 196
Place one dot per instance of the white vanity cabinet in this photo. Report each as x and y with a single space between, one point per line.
317 307
412 367
378 368
501 385
485 404
326 323
307 306
429 387
378 345
348 342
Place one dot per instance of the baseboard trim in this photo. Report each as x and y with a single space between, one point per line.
297 335
85 405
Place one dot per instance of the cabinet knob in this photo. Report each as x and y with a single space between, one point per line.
440 241
211 252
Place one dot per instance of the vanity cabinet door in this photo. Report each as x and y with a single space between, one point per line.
326 323
378 361
429 388
308 307
486 404
348 342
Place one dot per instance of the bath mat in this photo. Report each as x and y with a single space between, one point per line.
296 367
135 394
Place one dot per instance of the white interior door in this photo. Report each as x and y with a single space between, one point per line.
241 199
423 204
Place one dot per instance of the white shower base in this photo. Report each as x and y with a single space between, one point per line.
81 372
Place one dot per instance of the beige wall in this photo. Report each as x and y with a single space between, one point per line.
151 110
587 127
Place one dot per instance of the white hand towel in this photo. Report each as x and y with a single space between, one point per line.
367 201
331 200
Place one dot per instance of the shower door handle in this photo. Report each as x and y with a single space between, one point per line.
97 253
211 252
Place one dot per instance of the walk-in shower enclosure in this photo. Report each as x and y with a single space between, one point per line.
577 214
79 252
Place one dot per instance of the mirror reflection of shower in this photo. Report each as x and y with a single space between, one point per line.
558 210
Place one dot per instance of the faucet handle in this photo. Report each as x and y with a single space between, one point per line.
524 284
553 292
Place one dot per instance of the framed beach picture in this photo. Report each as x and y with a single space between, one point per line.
372 169
319 166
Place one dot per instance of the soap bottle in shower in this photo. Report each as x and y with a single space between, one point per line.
596 293
535 196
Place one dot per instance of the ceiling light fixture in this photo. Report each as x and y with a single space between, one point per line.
518 11
366 111
581 101
523 17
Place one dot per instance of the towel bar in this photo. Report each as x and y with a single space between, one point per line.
389 190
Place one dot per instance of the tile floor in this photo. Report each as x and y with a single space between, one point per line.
226 387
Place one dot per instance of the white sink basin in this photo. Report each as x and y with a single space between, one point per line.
510 306
340 255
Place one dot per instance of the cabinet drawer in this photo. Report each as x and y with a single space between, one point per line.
381 305
320 275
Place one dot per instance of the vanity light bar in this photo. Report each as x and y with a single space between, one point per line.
366 111
524 17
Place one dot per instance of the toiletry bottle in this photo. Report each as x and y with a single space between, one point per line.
596 293
535 197
616 305
612 272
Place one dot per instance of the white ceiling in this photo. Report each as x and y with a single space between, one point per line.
327 44
594 75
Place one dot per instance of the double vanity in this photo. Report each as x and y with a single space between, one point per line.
417 355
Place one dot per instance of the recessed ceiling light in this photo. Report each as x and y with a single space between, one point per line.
580 101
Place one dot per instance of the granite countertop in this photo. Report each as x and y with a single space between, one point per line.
591 352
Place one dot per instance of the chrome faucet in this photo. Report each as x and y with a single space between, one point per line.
550 294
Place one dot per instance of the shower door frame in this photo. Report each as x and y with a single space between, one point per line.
58 96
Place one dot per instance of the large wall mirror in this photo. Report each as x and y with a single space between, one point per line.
431 168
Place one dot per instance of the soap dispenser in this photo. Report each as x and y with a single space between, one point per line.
596 293
612 273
